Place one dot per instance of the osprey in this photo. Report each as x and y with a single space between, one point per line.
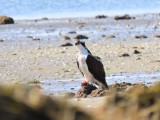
90 66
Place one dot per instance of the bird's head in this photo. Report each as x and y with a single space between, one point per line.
81 46
78 42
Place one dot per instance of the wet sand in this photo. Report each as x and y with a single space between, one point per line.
32 61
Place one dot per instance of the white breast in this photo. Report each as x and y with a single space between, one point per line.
84 68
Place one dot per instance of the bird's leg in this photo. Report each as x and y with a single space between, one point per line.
84 82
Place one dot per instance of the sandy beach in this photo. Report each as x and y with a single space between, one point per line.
24 59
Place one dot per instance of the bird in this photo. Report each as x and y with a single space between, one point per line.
90 66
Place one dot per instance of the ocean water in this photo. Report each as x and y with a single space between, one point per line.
28 9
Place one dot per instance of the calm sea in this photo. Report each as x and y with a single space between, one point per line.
29 9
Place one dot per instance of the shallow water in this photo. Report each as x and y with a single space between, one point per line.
22 9
94 28
60 87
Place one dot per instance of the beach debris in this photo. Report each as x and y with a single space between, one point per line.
81 37
33 38
136 52
140 36
66 44
101 16
6 20
124 55
124 17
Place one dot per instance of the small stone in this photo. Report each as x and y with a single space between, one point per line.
140 36
66 44
101 16
124 55
72 32
136 52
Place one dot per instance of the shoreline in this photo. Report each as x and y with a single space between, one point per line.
88 15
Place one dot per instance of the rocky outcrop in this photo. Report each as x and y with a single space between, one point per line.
124 17
6 20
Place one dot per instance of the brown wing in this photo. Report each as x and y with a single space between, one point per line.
96 68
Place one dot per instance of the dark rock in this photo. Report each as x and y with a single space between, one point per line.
136 52
66 44
72 32
124 17
140 36
81 37
1 40
101 16
6 20
124 55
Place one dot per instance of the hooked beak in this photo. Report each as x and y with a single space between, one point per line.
77 43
